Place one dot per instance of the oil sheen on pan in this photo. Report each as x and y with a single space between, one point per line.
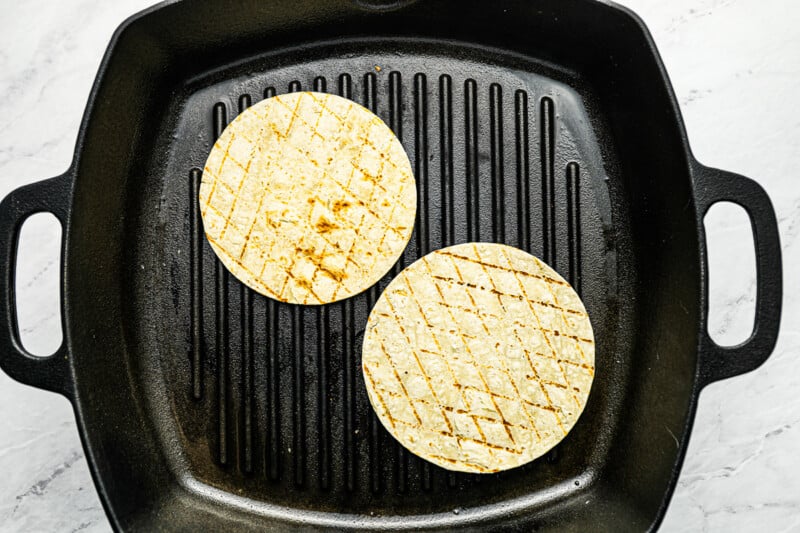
478 357
308 198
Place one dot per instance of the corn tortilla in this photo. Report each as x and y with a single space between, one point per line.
478 357
308 198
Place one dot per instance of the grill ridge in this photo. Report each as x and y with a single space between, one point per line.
395 90
573 226
273 426
496 128
247 389
196 282
221 312
370 101
548 180
471 148
446 140
522 140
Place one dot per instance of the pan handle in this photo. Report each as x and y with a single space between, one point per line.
53 372
719 362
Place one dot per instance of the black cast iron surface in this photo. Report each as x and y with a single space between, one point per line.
547 125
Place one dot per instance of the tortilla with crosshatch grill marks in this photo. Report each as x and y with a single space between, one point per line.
308 198
478 357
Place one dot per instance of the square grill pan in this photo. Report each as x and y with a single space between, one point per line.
548 125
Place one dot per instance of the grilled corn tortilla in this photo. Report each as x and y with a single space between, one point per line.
308 198
478 357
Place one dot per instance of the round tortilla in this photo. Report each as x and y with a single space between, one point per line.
308 198
478 357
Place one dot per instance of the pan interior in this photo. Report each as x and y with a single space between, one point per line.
265 400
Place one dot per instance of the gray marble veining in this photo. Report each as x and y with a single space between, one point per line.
735 66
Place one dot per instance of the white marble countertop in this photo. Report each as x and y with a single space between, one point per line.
735 66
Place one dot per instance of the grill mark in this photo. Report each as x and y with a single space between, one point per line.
252 225
477 365
322 104
471 155
523 169
580 365
524 409
509 295
315 129
379 247
496 150
347 191
367 175
214 182
400 381
466 345
305 284
455 410
563 373
547 340
470 310
219 114
380 399
439 347
484 443
318 267
419 364
256 278
196 283
549 408
544 390
214 209
508 374
564 321
483 268
506 269
451 479
348 258
295 116
471 465
505 371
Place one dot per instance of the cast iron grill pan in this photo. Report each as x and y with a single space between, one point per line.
548 125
